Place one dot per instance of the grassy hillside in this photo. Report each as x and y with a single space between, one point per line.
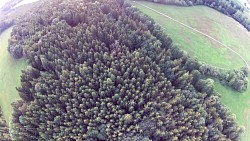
207 20
10 71
239 104
219 26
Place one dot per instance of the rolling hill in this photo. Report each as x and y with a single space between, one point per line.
222 28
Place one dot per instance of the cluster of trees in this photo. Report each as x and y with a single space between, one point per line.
4 130
4 24
228 7
102 70
236 79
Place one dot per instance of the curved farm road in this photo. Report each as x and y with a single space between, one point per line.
198 31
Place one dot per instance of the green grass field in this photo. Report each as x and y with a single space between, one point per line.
207 20
10 71
239 104
219 26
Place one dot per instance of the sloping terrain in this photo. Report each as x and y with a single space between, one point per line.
101 70
209 21
219 26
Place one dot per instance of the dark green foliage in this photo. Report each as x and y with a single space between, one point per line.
236 79
135 138
4 130
112 75
4 25
121 2
16 51
228 7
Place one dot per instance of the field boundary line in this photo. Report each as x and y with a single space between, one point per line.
196 30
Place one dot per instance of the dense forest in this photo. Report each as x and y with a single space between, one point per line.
228 7
102 70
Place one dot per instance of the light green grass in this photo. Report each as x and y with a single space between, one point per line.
10 71
239 104
207 20
219 26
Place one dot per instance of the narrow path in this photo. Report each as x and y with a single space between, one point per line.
204 34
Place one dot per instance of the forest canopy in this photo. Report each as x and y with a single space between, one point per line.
102 70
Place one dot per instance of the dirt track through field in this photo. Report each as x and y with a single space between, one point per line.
198 31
